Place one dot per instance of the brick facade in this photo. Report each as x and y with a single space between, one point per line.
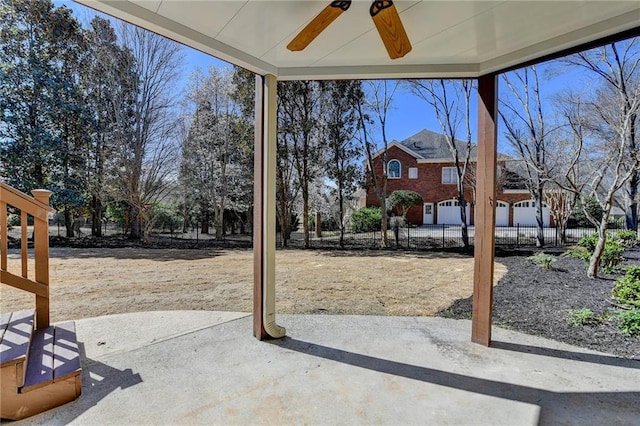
429 185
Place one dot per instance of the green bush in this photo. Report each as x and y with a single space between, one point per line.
627 287
589 243
545 261
627 237
578 252
164 217
404 199
611 255
582 317
366 219
629 322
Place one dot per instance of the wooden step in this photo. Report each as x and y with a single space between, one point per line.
17 329
54 356
49 374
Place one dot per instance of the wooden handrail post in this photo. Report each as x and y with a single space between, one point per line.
41 250
42 195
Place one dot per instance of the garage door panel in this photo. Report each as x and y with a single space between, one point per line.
502 214
449 213
524 214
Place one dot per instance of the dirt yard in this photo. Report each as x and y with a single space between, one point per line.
93 282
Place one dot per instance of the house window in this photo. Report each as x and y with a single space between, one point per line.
394 170
413 173
449 176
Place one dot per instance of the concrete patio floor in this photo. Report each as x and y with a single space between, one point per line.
200 367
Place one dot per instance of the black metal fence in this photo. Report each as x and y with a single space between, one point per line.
439 237
426 237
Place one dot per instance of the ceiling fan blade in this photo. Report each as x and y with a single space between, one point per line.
395 39
318 24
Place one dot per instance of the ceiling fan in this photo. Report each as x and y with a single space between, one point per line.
384 15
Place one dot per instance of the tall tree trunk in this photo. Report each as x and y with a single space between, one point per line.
341 208
539 218
204 226
594 261
68 223
134 223
219 220
284 229
384 242
96 217
305 214
463 221
631 213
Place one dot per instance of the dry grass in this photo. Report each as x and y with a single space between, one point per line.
94 282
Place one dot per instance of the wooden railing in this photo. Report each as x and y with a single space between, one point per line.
38 208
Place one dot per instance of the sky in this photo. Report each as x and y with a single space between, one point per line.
408 115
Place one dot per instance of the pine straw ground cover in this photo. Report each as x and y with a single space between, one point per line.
88 282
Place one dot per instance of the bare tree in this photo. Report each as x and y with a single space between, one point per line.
152 122
561 204
450 99
597 161
617 67
529 134
373 110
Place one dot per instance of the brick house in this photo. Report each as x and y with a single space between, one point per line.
422 163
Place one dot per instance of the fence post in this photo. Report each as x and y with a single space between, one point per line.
517 234
442 236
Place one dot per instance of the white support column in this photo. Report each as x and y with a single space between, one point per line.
264 244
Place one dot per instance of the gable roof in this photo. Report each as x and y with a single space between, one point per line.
429 146
434 146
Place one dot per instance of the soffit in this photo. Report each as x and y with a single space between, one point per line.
449 38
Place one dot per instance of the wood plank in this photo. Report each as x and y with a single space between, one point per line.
4 240
25 284
15 341
40 365
41 249
66 354
24 243
485 211
21 405
4 322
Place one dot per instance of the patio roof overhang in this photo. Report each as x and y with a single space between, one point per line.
451 39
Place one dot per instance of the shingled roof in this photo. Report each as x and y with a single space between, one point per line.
433 146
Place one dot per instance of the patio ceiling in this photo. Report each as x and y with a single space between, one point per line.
449 38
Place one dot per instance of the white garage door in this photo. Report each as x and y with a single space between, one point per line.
502 214
524 213
449 213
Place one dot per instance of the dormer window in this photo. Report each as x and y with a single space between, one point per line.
394 169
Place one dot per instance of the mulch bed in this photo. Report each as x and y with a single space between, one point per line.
535 301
